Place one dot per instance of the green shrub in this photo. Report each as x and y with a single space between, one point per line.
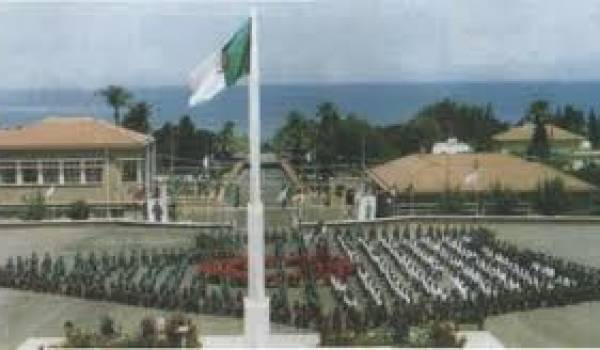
107 326
452 202
79 210
35 206
76 337
502 201
444 336
551 197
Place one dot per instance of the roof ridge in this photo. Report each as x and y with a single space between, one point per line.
515 132
137 136
425 171
70 132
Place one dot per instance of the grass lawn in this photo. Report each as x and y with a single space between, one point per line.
570 326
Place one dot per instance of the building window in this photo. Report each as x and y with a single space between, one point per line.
130 170
29 171
93 171
72 172
51 172
8 173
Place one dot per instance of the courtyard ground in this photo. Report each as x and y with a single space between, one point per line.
569 326
24 314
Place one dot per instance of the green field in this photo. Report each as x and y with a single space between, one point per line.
569 326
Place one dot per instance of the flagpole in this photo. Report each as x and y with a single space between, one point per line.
256 305
210 77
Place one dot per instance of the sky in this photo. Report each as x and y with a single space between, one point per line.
329 41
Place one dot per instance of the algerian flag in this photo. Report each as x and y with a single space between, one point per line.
222 68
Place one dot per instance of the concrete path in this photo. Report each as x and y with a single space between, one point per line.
480 339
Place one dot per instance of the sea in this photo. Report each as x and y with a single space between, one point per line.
379 103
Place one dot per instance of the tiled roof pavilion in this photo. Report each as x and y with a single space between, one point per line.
524 133
433 173
65 133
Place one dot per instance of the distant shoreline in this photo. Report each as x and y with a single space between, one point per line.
381 103
320 83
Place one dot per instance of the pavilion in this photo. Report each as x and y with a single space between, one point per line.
67 159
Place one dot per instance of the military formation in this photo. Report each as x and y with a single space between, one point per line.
153 278
460 273
398 277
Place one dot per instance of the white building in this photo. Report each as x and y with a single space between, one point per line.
452 146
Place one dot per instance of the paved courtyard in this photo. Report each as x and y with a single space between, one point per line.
568 326
24 313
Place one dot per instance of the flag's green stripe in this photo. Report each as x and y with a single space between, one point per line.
236 55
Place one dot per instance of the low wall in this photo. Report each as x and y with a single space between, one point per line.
532 219
116 223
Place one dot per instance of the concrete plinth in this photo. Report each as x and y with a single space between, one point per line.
257 332
257 326
309 340
209 341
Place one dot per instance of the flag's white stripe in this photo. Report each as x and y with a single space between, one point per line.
207 79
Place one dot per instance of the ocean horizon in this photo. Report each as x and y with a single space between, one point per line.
379 103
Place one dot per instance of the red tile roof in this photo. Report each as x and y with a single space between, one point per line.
525 132
60 133
434 173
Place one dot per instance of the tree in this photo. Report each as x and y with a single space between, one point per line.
137 117
472 124
571 119
297 136
328 140
539 146
184 142
593 129
551 197
336 138
538 109
117 97
226 138
166 143
187 143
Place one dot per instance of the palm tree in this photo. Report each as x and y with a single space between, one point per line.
138 117
117 97
538 109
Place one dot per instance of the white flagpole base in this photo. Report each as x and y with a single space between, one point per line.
257 326
257 332
308 340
